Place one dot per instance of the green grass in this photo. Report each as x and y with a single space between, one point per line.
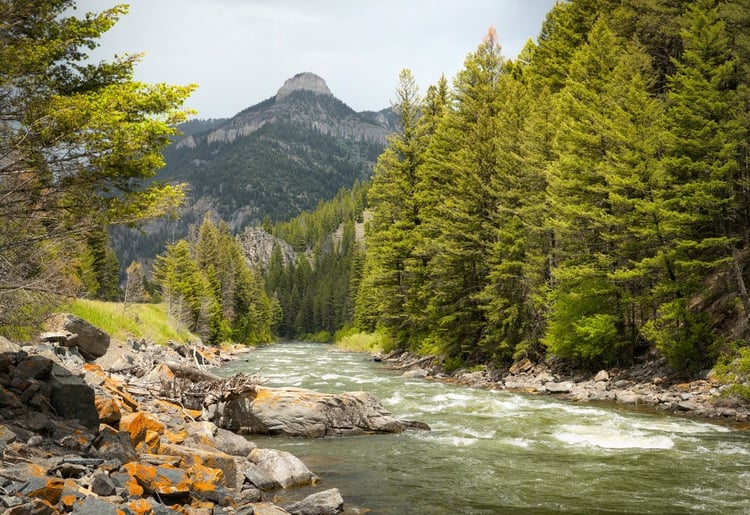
355 341
149 321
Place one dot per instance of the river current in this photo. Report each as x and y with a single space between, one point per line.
494 452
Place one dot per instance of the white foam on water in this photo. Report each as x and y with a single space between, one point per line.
523 443
686 427
459 441
731 449
605 437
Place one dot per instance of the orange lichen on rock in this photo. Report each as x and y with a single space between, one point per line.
203 474
140 507
137 425
51 491
108 409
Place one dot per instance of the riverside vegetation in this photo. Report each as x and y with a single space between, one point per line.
586 203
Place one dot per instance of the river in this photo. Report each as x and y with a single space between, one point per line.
497 452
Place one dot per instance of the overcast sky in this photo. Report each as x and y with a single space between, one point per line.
240 52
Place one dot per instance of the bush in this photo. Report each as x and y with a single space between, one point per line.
682 336
734 370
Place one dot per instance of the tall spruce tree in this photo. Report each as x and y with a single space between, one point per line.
704 175
395 215
463 160
586 306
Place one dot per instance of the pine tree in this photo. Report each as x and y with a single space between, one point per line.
518 272
585 313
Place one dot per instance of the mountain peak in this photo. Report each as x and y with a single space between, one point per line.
303 81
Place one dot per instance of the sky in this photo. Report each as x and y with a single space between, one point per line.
240 52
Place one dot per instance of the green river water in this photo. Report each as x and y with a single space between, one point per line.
499 452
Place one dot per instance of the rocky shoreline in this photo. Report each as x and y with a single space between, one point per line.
649 384
140 429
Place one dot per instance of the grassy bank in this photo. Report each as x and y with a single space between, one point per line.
148 321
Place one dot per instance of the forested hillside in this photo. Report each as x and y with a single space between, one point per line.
589 199
271 161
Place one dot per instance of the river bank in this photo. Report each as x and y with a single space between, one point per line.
649 383
112 435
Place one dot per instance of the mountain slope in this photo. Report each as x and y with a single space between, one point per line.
275 159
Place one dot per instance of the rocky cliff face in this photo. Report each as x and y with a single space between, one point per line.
277 158
303 81
305 100
258 247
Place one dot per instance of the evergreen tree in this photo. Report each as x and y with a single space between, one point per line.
518 271
463 158
705 221
395 215
586 306
80 142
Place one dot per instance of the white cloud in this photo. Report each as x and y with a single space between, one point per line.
241 51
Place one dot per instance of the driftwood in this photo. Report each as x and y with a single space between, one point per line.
191 373
196 389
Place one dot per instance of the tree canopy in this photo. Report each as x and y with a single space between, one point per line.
588 199
79 144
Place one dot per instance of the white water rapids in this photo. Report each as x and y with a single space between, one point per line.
498 452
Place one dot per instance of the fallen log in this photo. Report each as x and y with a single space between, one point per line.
191 373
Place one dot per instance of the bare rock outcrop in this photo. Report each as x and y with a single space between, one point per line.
300 412
305 81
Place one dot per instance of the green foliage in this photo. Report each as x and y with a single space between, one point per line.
682 336
317 291
81 143
150 321
590 198
352 339
210 289
734 369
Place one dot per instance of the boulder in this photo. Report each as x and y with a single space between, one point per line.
299 412
91 341
562 387
191 456
283 467
267 508
72 397
8 346
207 434
327 502
111 444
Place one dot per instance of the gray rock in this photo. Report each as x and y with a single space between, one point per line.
91 341
628 397
416 373
93 506
33 367
8 346
258 478
72 398
327 502
303 81
299 412
283 467
602 375
102 485
111 444
33 507
563 387
207 433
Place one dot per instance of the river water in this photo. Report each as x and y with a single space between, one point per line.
499 452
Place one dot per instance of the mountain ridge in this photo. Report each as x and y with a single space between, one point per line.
274 160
